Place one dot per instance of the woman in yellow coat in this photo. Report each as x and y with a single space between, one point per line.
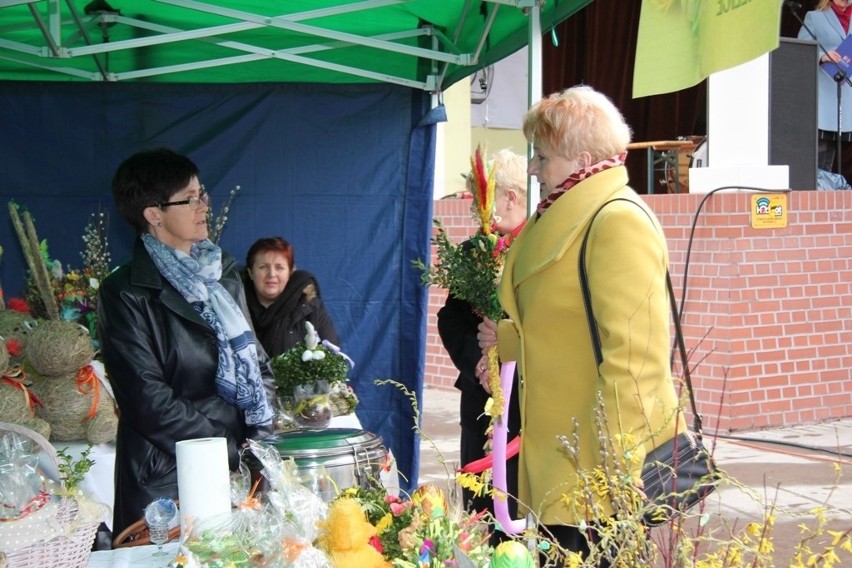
580 141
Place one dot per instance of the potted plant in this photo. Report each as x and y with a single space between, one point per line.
307 375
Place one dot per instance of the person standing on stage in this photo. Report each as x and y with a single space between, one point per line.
828 24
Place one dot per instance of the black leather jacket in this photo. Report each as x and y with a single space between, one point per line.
161 360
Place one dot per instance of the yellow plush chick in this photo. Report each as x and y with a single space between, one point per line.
345 536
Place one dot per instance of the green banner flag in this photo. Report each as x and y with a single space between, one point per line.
681 42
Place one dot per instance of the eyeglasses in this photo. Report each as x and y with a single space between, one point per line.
195 202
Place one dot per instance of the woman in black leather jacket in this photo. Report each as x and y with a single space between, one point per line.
178 348
281 299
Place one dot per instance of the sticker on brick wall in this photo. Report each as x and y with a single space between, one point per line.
769 211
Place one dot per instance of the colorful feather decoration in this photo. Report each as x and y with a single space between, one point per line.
483 190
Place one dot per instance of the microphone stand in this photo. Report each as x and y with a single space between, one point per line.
839 77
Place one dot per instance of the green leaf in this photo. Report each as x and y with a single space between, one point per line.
73 472
290 371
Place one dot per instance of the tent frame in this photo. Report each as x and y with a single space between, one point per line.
444 50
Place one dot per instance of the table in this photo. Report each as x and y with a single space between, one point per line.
133 557
667 154
99 483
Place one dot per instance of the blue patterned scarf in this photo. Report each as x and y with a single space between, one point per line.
196 277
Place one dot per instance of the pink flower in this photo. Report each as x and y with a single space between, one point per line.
502 244
464 542
399 508
476 517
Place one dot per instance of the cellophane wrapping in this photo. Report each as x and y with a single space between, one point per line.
275 529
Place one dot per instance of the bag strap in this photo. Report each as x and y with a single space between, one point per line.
680 345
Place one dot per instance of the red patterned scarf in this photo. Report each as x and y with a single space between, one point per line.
579 176
842 14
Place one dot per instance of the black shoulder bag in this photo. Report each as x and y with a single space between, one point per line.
680 472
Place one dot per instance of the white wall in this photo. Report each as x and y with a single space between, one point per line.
494 123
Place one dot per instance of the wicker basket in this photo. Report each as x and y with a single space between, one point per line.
72 547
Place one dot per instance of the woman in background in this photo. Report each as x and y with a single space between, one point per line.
457 326
281 299
176 342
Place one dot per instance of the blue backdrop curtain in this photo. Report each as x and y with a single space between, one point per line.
343 172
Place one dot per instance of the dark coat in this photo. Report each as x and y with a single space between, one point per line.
161 359
457 326
282 325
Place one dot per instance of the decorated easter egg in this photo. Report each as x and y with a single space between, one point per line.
431 499
511 554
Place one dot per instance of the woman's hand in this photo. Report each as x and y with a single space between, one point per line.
487 334
482 373
833 56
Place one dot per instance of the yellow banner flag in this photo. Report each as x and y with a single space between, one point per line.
681 42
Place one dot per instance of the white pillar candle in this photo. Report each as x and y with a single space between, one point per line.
203 480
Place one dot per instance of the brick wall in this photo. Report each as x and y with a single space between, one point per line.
456 217
767 317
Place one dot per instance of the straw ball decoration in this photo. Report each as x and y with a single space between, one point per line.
14 409
59 347
37 425
103 428
16 326
16 403
4 358
65 407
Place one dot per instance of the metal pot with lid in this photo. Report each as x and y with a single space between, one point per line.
329 460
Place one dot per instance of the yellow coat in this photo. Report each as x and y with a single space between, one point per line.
548 334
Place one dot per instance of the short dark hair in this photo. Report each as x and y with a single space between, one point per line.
271 244
148 178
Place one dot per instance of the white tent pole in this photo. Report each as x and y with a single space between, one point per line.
534 74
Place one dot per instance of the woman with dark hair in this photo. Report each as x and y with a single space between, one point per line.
281 299
175 338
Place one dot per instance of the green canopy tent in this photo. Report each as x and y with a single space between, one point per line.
423 44
322 110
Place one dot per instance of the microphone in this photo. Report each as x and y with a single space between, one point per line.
793 5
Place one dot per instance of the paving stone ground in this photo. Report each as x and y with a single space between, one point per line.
794 470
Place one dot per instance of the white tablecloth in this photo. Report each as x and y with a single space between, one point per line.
348 421
133 557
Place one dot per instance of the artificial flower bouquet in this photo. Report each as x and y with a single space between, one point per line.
77 294
420 532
